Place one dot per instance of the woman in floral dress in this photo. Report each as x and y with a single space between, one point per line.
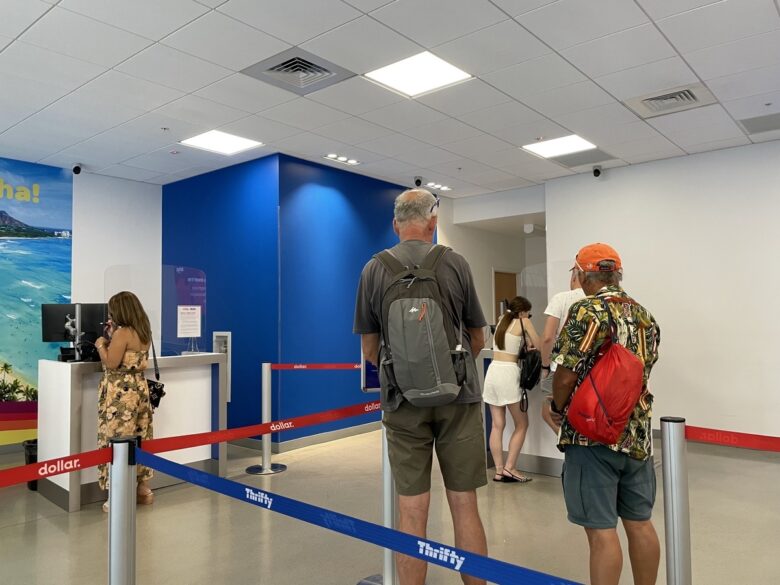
123 395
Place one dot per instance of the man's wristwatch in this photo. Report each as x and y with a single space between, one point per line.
546 368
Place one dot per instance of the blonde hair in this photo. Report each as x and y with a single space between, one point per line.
127 311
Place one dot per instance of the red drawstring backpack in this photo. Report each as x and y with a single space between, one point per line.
603 402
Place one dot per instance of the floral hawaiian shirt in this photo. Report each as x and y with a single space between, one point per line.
585 330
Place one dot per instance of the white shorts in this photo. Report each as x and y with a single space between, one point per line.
502 383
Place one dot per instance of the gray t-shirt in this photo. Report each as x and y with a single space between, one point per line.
458 292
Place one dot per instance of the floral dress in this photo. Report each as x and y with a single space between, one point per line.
124 409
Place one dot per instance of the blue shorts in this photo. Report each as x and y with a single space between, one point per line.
600 485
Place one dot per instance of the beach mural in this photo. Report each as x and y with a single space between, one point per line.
36 204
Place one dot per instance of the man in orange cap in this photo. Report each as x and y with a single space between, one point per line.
602 483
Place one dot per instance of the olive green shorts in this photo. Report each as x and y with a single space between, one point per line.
456 432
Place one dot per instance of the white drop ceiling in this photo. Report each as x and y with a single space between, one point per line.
114 85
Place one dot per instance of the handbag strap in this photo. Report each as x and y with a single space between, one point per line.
156 367
524 350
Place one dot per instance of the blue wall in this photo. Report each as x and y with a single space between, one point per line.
331 223
282 242
226 224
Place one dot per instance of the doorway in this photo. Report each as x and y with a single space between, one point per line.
505 287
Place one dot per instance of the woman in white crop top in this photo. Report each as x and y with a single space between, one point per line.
502 387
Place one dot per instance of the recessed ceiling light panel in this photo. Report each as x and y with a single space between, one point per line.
333 157
559 146
422 73
221 142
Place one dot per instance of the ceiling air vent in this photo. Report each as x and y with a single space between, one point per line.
671 101
298 71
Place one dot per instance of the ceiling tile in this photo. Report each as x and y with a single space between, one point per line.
426 157
88 116
570 22
720 23
356 96
83 38
293 21
434 22
346 45
157 130
211 3
610 114
487 49
315 146
368 5
507 159
393 144
518 7
31 152
753 106
46 67
164 161
622 50
149 18
353 131
608 134
21 97
4 42
658 9
261 129
225 41
127 172
501 116
717 145
534 76
304 113
747 83
568 99
245 93
484 144
493 177
737 56
707 124
540 170
172 68
468 96
629 151
646 79
99 152
403 115
19 14
389 167
38 131
651 156
194 109
766 136
442 132
523 134
506 184
115 87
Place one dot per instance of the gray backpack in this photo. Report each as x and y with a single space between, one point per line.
420 355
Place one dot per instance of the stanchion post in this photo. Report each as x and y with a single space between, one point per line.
676 511
121 512
267 467
389 507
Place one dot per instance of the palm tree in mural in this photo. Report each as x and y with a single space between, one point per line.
6 369
14 388
29 393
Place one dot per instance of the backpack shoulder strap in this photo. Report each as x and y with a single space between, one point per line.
433 256
390 262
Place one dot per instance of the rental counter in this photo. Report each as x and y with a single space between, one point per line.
194 402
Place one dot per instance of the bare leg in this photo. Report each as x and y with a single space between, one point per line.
644 551
606 557
496 440
412 519
469 532
517 439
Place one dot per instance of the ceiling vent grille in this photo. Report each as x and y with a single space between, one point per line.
671 101
298 71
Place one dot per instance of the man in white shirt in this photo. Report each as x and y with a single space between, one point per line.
557 311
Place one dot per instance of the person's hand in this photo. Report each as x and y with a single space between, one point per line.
100 342
556 418
545 374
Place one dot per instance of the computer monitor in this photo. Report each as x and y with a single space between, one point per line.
58 322
93 318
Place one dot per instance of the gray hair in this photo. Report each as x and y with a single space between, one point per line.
414 206
604 278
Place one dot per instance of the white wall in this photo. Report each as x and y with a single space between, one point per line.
117 241
699 241
484 251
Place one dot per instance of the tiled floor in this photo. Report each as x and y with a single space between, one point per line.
191 536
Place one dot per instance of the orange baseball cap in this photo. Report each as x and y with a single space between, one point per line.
589 257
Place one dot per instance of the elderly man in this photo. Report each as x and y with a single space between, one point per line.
455 430
604 482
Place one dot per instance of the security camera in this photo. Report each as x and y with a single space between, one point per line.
417 181
77 169
597 171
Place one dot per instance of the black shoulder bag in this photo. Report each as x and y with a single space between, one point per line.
156 391
530 362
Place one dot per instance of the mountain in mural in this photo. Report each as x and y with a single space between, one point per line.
10 227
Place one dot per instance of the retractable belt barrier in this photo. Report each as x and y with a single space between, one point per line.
80 461
427 550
